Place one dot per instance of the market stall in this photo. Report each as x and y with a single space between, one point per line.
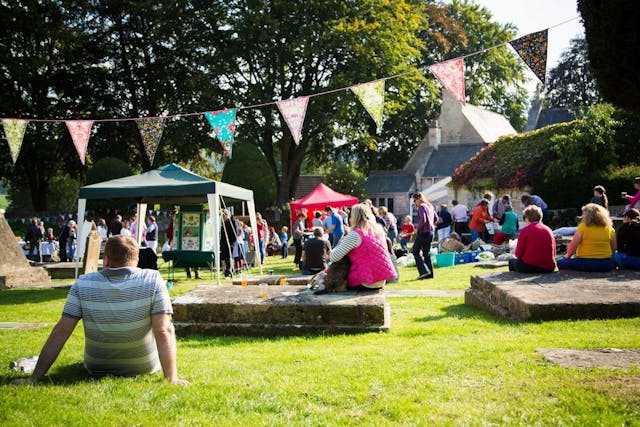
321 197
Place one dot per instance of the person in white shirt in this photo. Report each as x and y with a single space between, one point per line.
460 216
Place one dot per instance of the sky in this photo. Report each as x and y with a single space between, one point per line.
534 15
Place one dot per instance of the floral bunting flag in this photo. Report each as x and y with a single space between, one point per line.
451 75
151 133
80 131
14 129
293 111
223 123
371 95
532 48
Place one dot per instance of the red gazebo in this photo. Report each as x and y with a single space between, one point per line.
321 197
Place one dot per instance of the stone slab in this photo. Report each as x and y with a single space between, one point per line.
274 279
555 296
287 310
66 270
596 358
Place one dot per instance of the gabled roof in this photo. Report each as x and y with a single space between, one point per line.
306 184
551 116
489 125
389 182
447 158
167 184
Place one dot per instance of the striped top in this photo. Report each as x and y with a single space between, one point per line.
115 306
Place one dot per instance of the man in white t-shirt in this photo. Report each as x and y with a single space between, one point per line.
460 216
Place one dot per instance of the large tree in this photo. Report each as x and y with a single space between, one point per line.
611 30
570 83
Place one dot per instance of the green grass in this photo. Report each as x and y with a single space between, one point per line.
442 363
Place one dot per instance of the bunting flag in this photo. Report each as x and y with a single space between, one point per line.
80 131
293 111
223 123
451 75
151 133
14 129
532 48
371 96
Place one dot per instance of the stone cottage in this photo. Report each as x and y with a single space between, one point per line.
458 134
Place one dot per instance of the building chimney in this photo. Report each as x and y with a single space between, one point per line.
435 134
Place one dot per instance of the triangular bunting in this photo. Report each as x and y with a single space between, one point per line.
371 95
14 129
80 131
151 133
532 48
223 123
451 75
293 111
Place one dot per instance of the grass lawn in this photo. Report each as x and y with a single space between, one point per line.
442 363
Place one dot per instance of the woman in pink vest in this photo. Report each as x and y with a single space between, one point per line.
366 246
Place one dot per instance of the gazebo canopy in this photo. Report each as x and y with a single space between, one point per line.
321 197
167 184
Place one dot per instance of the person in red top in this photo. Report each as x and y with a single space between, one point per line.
479 218
536 249
406 232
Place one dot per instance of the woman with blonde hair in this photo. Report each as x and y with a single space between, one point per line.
427 218
366 247
593 243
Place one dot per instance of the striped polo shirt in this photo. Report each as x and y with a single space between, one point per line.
115 306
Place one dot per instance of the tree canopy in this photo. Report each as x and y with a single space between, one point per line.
87 59
611 30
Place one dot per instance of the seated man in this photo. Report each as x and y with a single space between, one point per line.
315 253
126 316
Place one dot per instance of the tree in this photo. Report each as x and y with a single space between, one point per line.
346 178
570 83
611 30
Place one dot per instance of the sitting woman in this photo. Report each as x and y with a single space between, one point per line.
274 244
536 248
509 223
479 218
628 241
366 246
593 243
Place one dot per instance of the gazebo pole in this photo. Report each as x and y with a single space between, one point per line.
82 205
214 208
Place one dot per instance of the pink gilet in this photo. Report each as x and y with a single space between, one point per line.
370 261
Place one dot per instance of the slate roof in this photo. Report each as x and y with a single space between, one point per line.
306 184
551 116
447 158
389 182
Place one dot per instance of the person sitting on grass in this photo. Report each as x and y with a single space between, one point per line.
406 233
509 223
366 247
628 241
593 244
315 254
536 248
126 312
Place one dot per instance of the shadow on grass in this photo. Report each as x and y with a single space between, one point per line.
73 373
463 311
31 296
199 341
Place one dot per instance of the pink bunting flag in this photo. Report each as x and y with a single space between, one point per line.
80 131
14 129
451 75
293 111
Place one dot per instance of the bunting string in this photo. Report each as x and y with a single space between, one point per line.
532 48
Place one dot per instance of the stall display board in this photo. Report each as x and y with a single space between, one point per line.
190 231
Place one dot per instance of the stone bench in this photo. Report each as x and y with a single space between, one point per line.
274 279
287 310
560 295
